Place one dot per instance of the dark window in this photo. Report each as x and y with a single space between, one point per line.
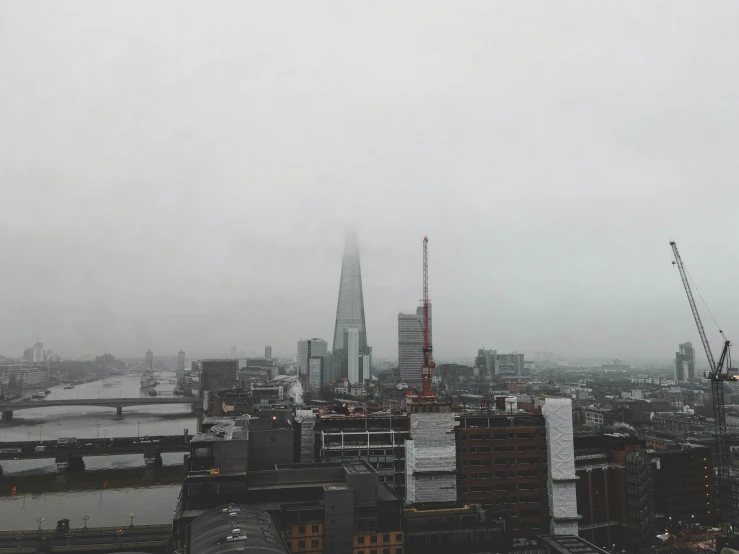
386 537
385 551
301 529
373 551
399 550
373 539
301 544
398 538
314 528
360 540
314 543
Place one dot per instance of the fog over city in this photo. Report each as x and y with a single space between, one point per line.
185 175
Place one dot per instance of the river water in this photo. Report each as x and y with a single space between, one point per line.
110 487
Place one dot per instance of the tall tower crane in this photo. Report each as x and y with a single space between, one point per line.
427 370
717 374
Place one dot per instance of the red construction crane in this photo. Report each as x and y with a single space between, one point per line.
428 362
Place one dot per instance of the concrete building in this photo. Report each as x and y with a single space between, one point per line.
410 346
149 361
492 363
376 438
349 316
181 364
217 375
268 351
308 350
332 508
595 416
685 362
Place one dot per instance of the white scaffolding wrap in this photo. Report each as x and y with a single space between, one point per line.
561 466
430 459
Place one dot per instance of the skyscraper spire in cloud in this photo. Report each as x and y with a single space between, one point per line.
351 353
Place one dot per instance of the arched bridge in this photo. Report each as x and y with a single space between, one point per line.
7 408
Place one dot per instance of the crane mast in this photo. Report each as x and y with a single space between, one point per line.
428 363
717 376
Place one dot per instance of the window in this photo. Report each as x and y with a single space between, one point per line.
385 551
399 550
301 529
360 540
373 539
398 537
386 538
373 551
314 543
314 528
301 544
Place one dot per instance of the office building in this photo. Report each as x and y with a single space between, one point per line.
502 465
308 350
492 363
349 316
685 362
683 485
268 351
149 361
216 375
181 364
410 346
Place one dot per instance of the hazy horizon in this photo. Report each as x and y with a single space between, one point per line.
178 175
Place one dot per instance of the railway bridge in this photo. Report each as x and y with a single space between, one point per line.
7 408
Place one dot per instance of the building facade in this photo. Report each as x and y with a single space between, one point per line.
685 362
310 362
410 346
217 375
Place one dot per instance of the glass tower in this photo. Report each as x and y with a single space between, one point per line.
349 314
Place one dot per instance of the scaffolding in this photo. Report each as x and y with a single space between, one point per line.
561 481
430 459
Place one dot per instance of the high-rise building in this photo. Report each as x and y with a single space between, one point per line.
149 361
268 351
181 364
685 362
349 314
410 346
217 375
308 350
234 352
492 363
38 352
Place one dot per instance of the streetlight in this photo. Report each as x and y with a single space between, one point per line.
85 517
40 521
131 516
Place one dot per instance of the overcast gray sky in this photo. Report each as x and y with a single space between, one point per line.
183 175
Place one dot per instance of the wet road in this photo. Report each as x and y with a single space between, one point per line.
111 487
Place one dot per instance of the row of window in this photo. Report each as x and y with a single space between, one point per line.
301 545
496 436
301 530
500 462
373 538
499 488
500 474
395 550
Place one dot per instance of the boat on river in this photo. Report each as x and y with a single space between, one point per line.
148 380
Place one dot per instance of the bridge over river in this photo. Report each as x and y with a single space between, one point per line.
71 455
7 408
151 539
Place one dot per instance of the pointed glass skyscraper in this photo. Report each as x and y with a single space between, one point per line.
351 353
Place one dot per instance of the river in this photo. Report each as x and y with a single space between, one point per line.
111 487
